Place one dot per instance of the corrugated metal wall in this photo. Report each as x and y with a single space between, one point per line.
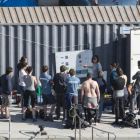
40 42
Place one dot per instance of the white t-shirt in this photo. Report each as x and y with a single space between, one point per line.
22 73
125 78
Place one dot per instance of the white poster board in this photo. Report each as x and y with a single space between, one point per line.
135 51
76 60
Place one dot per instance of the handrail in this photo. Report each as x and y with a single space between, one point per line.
86 123
104 132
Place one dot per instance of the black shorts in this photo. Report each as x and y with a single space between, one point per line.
48 99
27 95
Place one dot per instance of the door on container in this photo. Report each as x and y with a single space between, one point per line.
134 51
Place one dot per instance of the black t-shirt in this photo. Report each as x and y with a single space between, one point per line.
60 83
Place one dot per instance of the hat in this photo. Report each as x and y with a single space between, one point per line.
63 68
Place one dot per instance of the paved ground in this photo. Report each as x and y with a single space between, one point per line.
55 129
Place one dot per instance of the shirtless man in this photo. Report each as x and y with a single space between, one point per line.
90 96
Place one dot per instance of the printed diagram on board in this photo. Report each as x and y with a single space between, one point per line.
76 60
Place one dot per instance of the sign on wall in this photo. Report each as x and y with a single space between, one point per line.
78 60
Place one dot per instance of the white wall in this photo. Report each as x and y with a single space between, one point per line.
135 51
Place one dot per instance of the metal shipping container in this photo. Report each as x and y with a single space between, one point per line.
40 32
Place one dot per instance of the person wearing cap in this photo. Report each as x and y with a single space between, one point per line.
59 82
6 90
137 88
90 96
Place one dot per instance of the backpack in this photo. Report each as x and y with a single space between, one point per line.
118 83
59 83
130 120
27 80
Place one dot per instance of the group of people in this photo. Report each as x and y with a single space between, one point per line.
62 90
124 94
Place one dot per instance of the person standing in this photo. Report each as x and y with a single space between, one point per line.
137 89
30 84
21 84
73 83
118 94
90 97
113 76
60 88
21 61
125 88
97 68
48 98
131 97
102 87
6 90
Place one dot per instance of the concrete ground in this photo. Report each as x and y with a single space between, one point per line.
55 129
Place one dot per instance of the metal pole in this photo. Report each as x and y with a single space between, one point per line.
75 126
79 129
108 136
92 133
10 128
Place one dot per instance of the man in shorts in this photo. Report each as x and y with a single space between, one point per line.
90 96
6 90
48 98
